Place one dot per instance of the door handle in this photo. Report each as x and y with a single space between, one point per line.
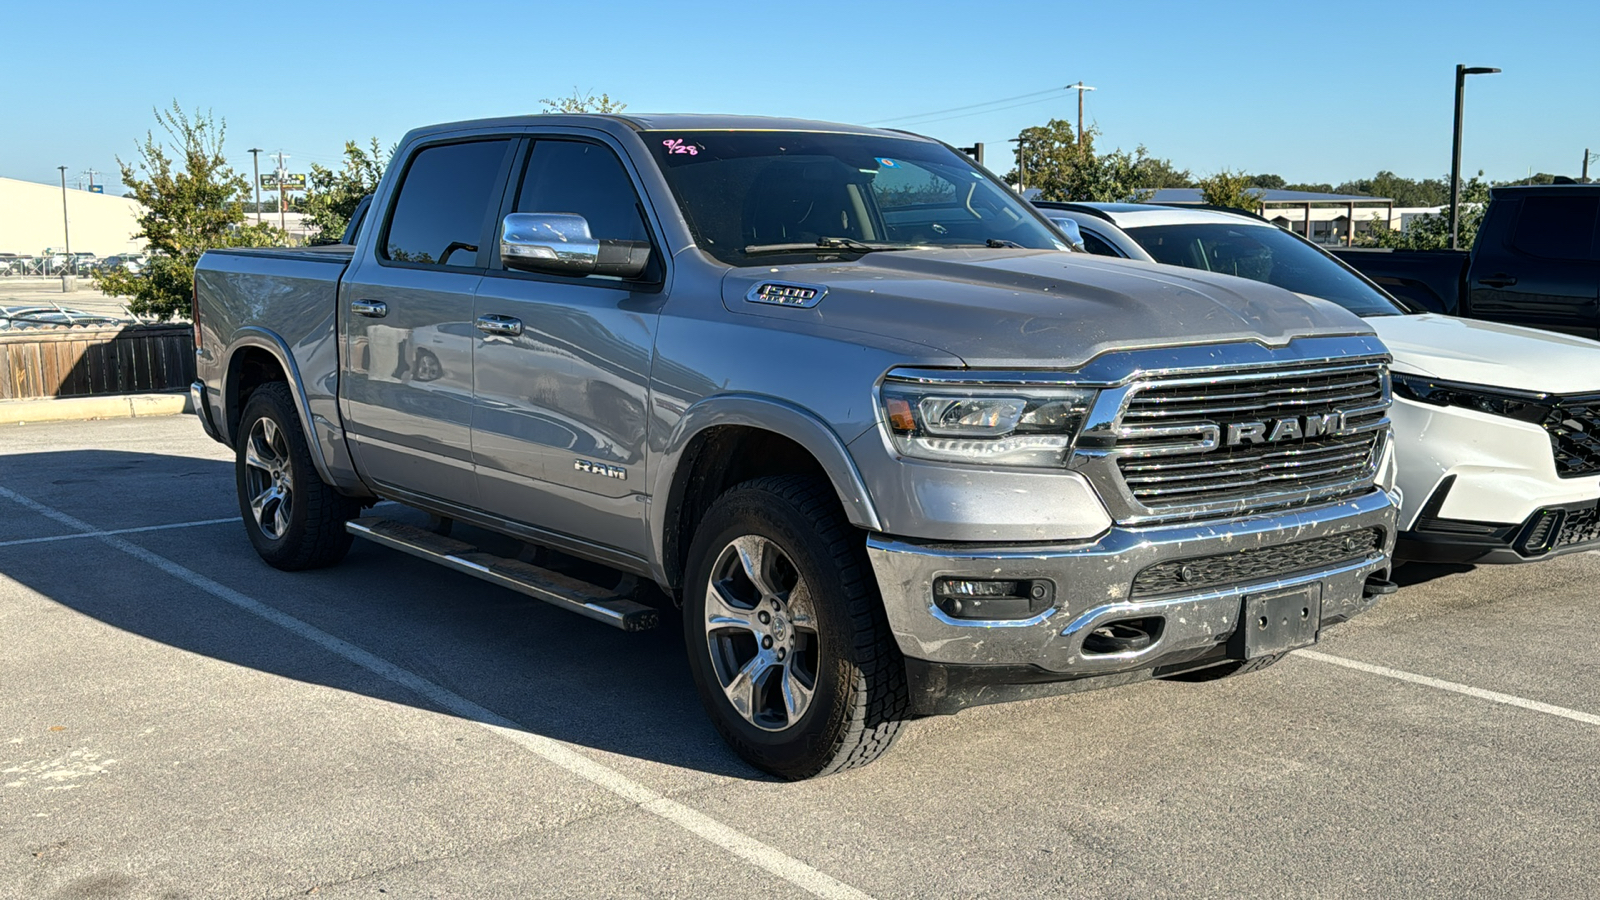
504 326
1498 280
372 309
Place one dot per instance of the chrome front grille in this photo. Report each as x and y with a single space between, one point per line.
1320 431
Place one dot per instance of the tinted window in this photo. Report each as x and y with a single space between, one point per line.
586 179
750 194
1556 227
444 200
1263 253
1094 244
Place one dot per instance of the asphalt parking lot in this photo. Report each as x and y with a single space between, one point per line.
179 720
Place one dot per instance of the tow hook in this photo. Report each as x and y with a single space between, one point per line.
1378 586
1122 636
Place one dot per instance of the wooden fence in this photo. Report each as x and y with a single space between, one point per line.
76 362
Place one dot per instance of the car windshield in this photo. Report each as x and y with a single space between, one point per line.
1263 253
750 195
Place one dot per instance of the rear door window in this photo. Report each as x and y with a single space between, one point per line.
1556 227
440 215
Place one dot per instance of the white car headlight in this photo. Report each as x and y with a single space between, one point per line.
984 424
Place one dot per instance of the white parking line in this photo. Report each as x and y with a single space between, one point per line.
95 534
561 754
1468 690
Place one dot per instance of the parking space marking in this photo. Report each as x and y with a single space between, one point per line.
1441 684
773 860
95 534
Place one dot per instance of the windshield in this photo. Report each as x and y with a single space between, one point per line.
1263 253
748 195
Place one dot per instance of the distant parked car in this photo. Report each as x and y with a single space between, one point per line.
17 318
1497 427
9 263
126 262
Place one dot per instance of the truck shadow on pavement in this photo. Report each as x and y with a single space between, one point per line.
554 673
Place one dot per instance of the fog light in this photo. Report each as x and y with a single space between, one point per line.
993 599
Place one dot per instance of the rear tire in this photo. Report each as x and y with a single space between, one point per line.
294 519
786 634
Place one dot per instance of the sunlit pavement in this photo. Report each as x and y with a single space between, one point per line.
179 720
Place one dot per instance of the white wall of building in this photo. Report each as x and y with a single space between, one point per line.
30 220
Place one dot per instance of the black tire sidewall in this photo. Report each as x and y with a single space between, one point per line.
272 401
801 747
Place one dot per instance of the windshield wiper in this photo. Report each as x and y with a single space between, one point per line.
826 243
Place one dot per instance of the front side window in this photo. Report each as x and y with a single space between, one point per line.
585 179
750 195
1263 253
444 199
1556 227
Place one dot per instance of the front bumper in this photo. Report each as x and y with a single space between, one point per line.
1095 585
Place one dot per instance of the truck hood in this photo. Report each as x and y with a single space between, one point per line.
1039 308
1470 351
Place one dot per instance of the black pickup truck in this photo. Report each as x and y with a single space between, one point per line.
1536 262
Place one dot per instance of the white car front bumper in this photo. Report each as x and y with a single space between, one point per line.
1477 486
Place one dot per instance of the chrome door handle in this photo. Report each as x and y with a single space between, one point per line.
372 309
500 325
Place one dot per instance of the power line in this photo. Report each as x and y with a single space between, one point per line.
940 112
981 112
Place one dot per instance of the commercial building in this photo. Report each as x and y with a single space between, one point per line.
31 220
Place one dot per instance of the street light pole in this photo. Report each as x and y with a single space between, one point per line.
283 197
1455 151
66 233
255 163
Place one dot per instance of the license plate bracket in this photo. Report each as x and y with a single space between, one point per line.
1277 621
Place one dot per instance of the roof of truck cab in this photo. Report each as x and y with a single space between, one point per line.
670 122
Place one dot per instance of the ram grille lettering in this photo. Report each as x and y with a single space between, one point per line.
1291 429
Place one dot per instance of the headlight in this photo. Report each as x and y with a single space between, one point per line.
985 424
1526 407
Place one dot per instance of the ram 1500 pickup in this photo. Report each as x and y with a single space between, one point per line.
1535 262
836 391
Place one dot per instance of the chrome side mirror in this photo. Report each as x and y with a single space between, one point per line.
1069 227
560 244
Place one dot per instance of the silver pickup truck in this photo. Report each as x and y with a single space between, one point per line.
835 391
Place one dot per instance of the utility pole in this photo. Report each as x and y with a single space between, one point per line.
255 163
91 173
67 283
1080 87
1455 151
283 196
1588 158
1022 166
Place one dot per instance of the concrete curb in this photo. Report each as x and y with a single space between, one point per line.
115 406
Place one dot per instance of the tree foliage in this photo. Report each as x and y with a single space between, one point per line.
1432 232
1232 190
191 201
1403 191
580 101
1051 160
335 192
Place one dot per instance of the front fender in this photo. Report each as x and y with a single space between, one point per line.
770 414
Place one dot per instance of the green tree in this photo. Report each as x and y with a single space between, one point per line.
1268 182
582 102
1310 187
1232 190
1432 232
1403 191
191 201
335 192
1051 160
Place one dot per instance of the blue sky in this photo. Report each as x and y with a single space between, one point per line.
1312 91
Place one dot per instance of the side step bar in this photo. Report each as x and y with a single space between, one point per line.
542 584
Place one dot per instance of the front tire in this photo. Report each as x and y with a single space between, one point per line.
294 520
787 639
